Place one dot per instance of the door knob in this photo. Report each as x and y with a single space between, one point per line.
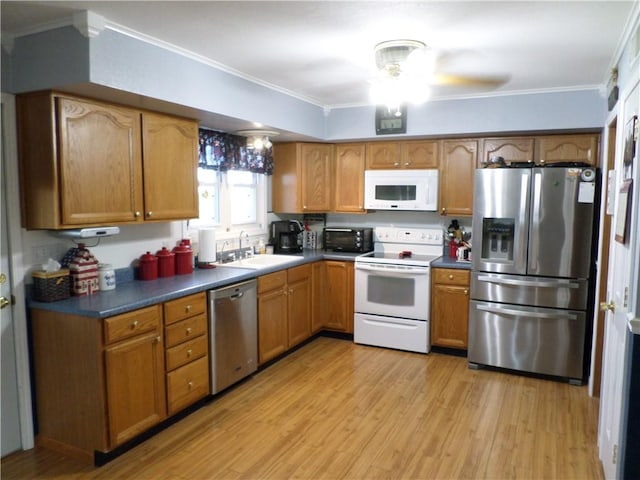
610 306
4 302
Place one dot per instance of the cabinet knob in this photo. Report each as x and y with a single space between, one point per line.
190 385
137 214
149 214
158 339
188 331
443 211
406 164
466 291
189 352
134 325
395 164
450 277
187 309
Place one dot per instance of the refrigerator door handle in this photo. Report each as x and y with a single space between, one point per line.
508 311
521 261
529 283
535 220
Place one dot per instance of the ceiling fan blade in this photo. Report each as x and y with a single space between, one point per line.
469 80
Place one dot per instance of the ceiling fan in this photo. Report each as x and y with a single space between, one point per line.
407 71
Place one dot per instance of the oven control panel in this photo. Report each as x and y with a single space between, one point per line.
416 236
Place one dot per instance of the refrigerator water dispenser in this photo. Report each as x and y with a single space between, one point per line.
497 238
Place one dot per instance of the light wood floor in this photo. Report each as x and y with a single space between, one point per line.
337 410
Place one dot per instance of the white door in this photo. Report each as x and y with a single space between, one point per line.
10 419
17 418
619 297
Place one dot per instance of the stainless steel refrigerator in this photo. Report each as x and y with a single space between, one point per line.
533 269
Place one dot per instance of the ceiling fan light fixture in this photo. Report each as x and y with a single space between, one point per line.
258 139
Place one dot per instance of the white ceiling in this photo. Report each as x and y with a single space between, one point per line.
322 51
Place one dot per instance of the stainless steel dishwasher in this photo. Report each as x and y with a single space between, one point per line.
234 333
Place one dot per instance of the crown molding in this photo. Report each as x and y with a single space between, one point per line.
89 24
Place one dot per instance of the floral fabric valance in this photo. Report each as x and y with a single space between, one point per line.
224 151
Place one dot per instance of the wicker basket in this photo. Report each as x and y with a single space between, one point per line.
49 287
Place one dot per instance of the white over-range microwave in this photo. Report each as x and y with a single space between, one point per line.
401 190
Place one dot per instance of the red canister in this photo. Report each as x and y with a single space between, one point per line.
166 263
184 258
148 267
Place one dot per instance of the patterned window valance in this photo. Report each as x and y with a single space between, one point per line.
224 151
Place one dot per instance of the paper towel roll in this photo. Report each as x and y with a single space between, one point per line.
207 245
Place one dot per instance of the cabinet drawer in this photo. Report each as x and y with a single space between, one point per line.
295 274
450 276
187 384
187 352
184 307
272 281
131 324
185 330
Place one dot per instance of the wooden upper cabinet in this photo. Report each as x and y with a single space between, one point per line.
512 149
302 177
420 154
457 170
170 167
81 163
568 148
406 154
349 178
383 156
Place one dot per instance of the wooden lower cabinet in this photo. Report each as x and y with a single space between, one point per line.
187 353
101 382
450 308
284 316
339 296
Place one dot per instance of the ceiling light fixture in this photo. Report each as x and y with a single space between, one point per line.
404 68
258 139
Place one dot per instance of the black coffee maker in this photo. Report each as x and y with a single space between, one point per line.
284 236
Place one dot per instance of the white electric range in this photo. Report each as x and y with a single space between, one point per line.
392 288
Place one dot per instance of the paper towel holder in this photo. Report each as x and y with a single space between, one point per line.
207 248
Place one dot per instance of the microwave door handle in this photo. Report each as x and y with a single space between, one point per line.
509 311
338 229
529 283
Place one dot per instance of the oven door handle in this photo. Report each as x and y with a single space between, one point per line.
509 311
396 272
529 283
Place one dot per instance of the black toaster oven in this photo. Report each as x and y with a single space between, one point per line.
347 239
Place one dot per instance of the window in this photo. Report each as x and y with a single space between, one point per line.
231 201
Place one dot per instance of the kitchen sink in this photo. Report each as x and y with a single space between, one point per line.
262 261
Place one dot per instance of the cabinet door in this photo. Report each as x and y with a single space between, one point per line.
339 290
100 163
318 296
568 148
170 167
383 155
315 185
512 149
272 324
135 386
421 154
349 178
298 313
456 176
449 316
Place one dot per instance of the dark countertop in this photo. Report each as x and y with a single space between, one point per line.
447 262
137 294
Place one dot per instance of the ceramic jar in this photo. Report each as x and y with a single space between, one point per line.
166 263
148 269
